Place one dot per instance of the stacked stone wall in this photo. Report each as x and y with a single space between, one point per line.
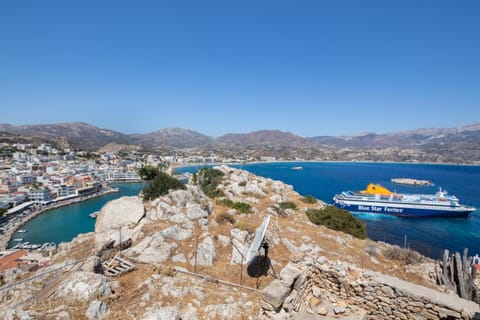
348 289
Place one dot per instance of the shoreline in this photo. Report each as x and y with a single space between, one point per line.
7 236
320 161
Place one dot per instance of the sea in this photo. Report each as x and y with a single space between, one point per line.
65 223
429 236
323 180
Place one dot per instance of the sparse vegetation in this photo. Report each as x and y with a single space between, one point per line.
288 205
148 173
245 227
208 180
242 207
161 185
406 256
338 219
2 211
225 217
310 199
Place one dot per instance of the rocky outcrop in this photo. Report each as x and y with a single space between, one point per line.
97 310
83 285
119 220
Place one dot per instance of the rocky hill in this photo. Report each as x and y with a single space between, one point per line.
174 138
451 145
183 257
78 134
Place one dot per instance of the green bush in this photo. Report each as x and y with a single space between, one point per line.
2 211
288 205
338 219
161 185
242 207
208 179
148 173
309 199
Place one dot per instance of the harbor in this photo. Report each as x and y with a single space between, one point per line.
17 221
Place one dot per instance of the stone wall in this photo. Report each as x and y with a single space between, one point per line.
324 289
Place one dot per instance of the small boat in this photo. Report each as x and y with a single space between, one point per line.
297 168
94 215
378 199
21 231
18 239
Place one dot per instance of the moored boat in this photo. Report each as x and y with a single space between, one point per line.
378 199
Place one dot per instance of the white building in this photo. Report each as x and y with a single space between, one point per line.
42 196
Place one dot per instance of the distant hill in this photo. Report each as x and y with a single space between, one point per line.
173 137
78 134
405 139
455 145
263 137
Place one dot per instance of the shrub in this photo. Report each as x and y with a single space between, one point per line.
288 205
148 173
161 185
208 180
338 219
407 256
225 217
242 207
2 211
309 199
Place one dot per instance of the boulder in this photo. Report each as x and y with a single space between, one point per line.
205 253
195 212
82 285
289 274
239 252
275 293
152 249
240 235
118 218
96 310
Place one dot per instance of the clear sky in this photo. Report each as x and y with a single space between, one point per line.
309 67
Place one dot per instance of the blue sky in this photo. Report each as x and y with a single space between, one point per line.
309 67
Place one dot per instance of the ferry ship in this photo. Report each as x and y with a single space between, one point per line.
378 199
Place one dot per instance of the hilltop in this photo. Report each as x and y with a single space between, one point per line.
186 251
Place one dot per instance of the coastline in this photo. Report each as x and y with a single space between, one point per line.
185 165
7 236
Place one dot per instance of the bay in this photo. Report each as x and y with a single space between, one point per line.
426 235
65 223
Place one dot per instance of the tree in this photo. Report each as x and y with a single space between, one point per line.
2 211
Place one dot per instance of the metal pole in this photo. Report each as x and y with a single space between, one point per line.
196 248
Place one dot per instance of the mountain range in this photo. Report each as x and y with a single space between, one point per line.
461 144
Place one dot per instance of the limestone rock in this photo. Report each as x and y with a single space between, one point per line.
240 235
195 212
289 274
275 293
83 285
162 313
176 233
239 252
97 310
152 249
205 253
121 214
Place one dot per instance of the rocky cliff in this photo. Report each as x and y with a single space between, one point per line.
180 257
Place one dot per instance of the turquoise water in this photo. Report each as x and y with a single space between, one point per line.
63 224
428 236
